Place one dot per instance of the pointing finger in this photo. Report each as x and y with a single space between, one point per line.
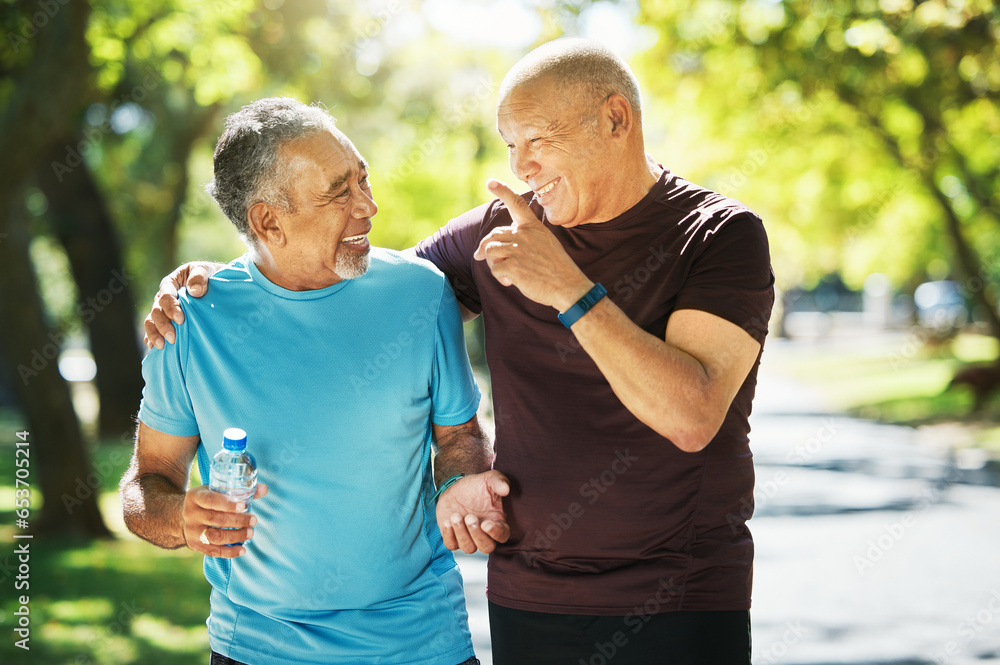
520 211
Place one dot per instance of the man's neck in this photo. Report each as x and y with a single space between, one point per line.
636 181
268 267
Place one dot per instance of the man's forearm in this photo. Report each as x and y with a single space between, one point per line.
153 510
462 449
662 386
681 386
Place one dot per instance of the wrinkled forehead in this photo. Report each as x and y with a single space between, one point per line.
345 145
528 91
323 156
535 105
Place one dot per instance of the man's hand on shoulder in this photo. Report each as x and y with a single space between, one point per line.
470 513
159 324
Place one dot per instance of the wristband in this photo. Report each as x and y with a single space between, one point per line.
583 305
446 484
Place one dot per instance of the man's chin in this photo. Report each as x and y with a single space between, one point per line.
353 265
554 216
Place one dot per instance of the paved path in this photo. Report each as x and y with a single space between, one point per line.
867 549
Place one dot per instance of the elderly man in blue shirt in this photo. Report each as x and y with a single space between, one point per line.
342 559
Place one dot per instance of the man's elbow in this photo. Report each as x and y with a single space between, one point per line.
126 497
692 441
691 436
132 502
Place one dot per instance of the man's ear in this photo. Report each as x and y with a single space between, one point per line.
266 225
619 113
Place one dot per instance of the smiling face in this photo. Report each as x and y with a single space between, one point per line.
323 240
568 161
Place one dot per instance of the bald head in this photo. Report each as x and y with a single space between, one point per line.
586 72
568 112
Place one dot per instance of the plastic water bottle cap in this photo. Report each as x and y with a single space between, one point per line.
234 439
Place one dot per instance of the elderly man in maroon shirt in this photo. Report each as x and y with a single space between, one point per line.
625 311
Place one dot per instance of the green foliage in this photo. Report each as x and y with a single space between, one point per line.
842 122
164 68
848 124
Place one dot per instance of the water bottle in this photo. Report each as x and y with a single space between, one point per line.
234 471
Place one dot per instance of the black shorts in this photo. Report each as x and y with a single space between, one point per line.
671 638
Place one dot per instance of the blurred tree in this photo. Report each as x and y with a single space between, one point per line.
79 218
867 131
44 84
164 71
48 82
161 71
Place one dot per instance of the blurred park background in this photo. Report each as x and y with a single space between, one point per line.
865 132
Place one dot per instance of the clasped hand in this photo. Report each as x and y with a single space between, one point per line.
470 513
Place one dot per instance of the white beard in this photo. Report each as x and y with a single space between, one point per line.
351 265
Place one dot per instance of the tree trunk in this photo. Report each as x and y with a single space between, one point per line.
81 221
43 103
976 284
57 452
181 129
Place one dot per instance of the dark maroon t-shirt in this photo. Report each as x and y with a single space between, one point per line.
608 517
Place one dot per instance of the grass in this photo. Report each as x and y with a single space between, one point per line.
118 602
902 382
113 603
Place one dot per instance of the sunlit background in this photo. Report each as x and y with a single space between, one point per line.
866 133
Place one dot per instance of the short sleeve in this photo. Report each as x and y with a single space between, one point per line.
166 405
454 393
451 249
731 276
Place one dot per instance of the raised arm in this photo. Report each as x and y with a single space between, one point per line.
158 507
681 386
470 511
167 309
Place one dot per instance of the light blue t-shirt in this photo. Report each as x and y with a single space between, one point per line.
337 389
